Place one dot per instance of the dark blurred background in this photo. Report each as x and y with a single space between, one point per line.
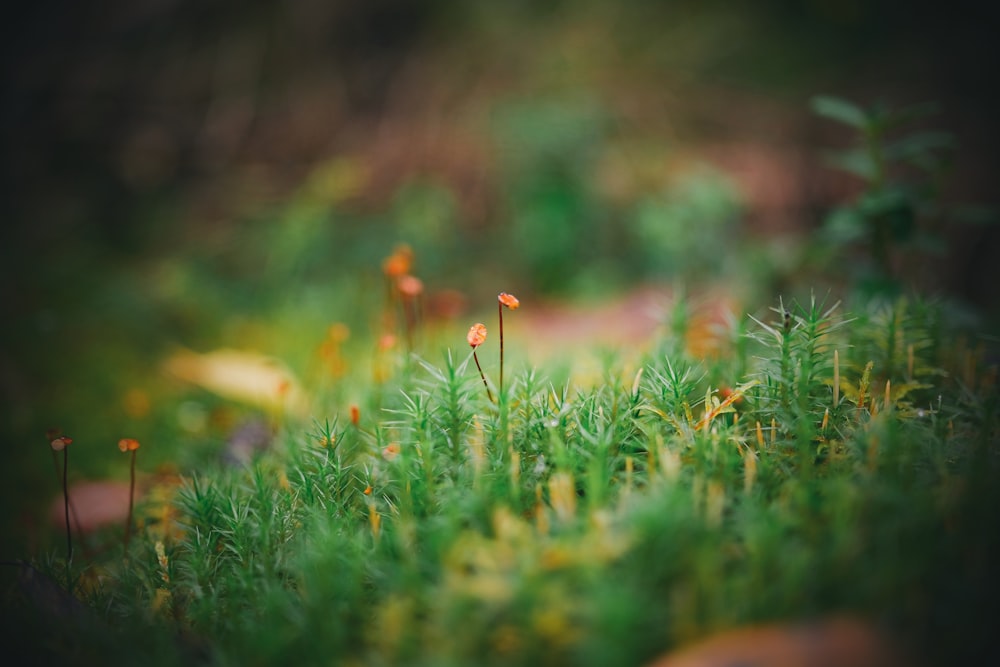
189 172
126 124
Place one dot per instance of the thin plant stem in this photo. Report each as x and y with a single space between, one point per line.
72 507
411 318
836 378
509 301
500 313
129 445
65 485
483 375
69 534
131 500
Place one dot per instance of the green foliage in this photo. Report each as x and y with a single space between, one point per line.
679 231
898 218
547 150
566 232
572 525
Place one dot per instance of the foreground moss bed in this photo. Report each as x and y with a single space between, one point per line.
817 462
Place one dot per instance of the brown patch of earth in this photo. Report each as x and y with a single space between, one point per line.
627 325
628 322
93 505
834 642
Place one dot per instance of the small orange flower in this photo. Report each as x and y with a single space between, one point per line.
128 444
338 332
726 392
390 451
476 335
410 286
59 444
355 414
508 300
368 490
386 342
399 262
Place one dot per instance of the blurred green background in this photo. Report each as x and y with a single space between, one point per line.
205 175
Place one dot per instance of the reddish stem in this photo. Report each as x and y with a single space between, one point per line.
131 498
69 538
483 375
500 313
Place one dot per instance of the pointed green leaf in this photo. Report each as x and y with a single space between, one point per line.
857 162
920 144
840 110
844 225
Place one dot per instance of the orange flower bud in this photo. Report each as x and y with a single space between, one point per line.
338 332
399 262
59 444
410 286
727 392
508 300
128 444
355 414
476 335
284 386
386 341
390 451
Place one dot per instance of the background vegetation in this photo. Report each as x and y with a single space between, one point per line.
193 177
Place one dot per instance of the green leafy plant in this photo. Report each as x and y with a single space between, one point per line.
898 211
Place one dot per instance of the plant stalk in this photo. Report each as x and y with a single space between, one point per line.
500 313
483 376
131 501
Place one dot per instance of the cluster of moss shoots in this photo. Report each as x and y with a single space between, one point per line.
817 462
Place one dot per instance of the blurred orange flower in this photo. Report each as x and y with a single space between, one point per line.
399 262
59 444
410 286
338 332
128 444
476 335
508 300
391 451
386 341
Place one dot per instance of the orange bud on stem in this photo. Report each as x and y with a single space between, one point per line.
476 335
